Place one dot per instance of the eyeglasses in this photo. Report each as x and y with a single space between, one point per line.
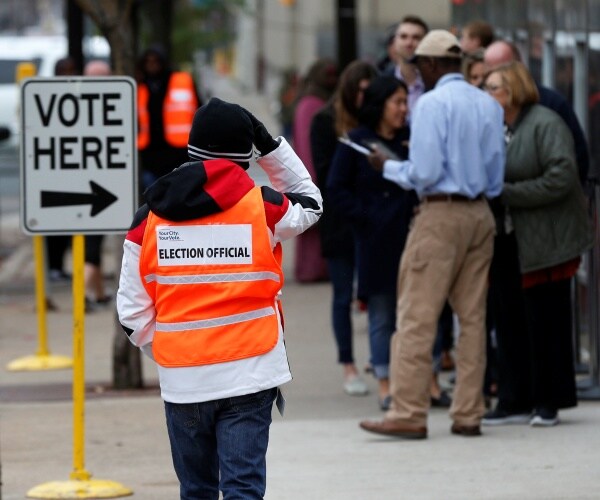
492 88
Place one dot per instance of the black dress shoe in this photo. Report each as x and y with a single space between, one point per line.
394 429
443 401
466 430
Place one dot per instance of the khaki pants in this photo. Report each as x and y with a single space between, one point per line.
447 256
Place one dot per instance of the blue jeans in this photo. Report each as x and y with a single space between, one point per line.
226 437
341 273
382 324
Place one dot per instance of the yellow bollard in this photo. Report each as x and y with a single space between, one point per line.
42 360
81 484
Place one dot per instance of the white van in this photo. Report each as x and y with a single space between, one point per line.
43 52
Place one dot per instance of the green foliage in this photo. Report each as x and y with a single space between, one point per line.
203 25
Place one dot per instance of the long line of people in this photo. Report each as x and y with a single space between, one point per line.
442 197
371 198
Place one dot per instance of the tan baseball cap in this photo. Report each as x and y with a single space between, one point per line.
439 43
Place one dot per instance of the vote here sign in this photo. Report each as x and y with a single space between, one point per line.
78 155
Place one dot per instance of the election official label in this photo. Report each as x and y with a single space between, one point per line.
204 245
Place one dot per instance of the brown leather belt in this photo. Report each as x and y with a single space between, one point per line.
450 197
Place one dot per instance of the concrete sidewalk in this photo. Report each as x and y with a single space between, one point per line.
316 452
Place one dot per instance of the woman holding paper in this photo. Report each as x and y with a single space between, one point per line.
379 211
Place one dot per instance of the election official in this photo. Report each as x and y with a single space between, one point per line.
199 293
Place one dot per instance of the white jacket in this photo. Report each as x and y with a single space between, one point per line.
292 206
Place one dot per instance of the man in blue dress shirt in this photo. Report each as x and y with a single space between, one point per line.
456 161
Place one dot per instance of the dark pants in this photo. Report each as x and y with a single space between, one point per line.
445 329
444 340
93 249
512 335
221 445
491 366
533 333
56 248
549 317
341 273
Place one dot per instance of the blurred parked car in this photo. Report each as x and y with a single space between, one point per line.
43 52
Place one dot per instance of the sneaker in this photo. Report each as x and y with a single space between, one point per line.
544 417
499 416
356 386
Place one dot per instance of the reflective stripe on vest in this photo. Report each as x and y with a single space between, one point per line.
222 321
213 305
213 278
179 106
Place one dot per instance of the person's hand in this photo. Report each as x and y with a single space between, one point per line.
377 158
263 141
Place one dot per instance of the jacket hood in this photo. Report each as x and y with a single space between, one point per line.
198 189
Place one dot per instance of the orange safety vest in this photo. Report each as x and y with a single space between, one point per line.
179 106
214 282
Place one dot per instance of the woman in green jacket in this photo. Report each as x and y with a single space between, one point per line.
543 230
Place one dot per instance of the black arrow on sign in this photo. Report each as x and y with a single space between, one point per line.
99 198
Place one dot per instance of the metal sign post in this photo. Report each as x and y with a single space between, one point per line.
590 390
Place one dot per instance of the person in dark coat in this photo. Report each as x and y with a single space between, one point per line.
161 155
379 211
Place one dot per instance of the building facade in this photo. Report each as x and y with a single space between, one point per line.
276 35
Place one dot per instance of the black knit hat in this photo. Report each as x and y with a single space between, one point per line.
221 130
